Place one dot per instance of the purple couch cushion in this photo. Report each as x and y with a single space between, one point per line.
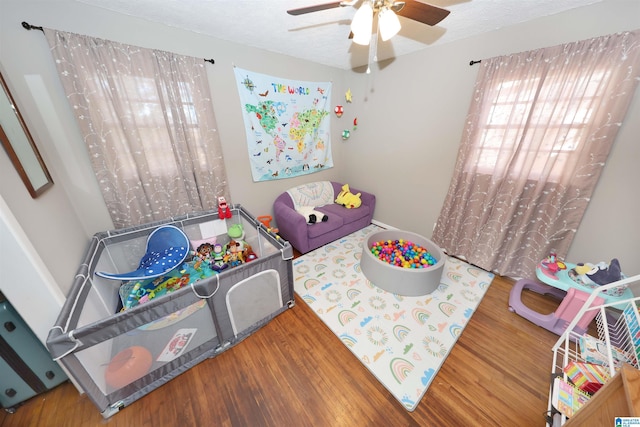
348 215
319 228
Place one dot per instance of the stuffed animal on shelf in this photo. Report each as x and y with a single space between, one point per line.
311 215
347 199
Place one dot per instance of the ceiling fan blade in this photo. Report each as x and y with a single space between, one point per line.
422 12
315 8
397 6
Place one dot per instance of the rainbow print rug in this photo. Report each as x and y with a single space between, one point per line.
403 341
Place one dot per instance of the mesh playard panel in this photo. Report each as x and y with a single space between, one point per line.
119 356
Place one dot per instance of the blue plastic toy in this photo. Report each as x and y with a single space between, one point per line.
167 248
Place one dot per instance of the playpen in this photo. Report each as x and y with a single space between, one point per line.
117 356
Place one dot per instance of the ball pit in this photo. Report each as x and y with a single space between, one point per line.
402 253
402 262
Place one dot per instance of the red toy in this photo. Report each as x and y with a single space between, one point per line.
223 208
552 265
127 366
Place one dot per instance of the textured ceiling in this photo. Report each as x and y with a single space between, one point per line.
322 37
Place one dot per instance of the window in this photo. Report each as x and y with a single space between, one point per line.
539 137
152 118
148 122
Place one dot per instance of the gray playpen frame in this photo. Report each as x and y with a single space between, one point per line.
66 339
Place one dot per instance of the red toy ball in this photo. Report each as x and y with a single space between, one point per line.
127 366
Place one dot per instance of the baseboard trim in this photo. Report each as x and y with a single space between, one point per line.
383 225
461 257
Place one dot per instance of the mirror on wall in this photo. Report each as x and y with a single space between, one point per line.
19 145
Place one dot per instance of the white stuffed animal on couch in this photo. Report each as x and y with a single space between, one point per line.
311 215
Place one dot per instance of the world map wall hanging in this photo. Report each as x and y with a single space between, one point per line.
287 123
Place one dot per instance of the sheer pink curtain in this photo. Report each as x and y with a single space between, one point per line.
538 133
148 124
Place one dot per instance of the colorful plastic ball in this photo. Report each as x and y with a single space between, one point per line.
402 253
127 366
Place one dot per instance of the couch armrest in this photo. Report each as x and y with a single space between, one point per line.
368 199
291 225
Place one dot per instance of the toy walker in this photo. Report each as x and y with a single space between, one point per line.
556 322
557 282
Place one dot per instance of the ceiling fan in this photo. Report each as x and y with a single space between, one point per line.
386 11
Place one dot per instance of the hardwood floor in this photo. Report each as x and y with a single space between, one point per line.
295 372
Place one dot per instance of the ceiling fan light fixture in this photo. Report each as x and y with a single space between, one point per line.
362 24
388 23
363 38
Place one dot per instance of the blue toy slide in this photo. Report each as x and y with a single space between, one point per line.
167 248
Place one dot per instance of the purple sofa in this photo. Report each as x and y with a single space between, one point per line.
305 237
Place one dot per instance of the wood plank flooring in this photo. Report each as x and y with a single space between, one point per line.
295 372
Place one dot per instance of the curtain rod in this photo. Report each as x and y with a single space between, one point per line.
472 63
28 26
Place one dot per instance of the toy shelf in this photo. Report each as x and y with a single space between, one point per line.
617 342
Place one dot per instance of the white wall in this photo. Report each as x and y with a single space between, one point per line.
25 281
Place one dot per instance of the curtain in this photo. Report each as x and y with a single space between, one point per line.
538 132
148 124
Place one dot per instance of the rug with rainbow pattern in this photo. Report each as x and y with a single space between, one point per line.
402 340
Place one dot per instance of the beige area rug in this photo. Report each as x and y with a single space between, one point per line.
402 340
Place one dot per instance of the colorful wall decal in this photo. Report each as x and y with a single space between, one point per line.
287 123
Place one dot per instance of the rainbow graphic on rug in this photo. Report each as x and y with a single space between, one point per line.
400 332
420 315
401 369
346 316
402 340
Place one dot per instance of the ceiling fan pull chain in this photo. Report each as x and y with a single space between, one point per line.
373 50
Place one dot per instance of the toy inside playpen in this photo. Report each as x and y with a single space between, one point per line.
266 221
